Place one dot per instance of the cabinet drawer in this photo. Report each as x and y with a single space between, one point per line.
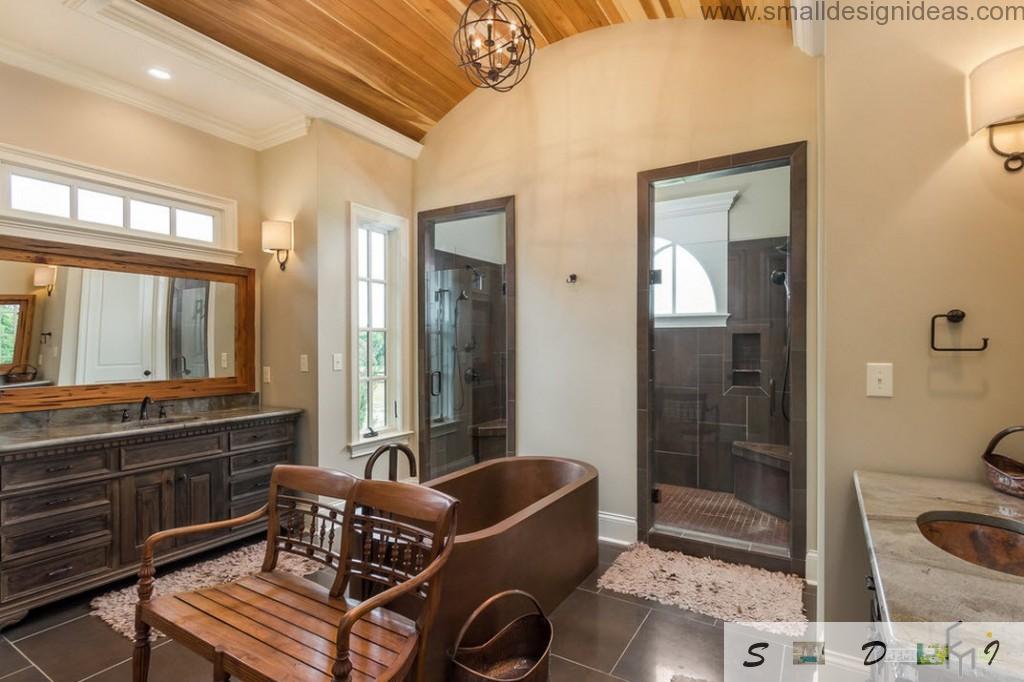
261 435
26 507
257 486
49 534
245 507
138 456
23 580
259 459
14 475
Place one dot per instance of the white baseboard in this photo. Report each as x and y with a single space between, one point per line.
812 567
617 529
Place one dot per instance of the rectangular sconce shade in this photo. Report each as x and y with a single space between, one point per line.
277 236
997 90
44 276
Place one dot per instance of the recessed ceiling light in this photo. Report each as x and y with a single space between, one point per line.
159 74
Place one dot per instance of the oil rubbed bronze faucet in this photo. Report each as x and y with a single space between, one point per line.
144 409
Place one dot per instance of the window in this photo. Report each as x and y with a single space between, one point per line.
15 330
68 198
685 287
377 315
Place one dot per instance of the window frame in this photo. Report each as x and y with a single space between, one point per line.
23 335
395 229
21 223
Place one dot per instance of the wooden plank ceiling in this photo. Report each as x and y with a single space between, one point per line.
392 60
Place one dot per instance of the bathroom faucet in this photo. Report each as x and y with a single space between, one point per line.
144 410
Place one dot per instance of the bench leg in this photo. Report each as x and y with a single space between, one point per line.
218 667
140 655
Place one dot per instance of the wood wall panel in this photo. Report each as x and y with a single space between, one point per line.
393 60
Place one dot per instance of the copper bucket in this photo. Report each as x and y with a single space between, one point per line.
1004 473
518 653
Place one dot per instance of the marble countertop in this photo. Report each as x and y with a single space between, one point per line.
917 581
67 434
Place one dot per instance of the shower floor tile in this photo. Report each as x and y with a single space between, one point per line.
719 514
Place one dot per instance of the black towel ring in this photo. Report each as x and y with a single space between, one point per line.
955 316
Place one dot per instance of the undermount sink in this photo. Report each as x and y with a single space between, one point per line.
987 541
178 419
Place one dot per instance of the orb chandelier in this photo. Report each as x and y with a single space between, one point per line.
494 44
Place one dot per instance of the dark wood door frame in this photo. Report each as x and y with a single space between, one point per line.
796 156
426 221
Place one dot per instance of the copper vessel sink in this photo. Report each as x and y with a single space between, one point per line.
987 541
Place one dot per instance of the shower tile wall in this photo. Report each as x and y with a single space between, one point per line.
700 408
488 359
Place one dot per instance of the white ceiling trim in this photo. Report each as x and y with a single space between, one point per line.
158 29
87 79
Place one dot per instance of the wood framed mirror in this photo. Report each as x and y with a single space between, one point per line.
92 326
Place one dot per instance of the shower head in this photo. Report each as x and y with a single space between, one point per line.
783 248
463 296
778 277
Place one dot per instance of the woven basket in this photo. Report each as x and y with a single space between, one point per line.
19 374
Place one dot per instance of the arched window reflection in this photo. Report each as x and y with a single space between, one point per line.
685 286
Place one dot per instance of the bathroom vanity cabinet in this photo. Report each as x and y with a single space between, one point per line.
76 509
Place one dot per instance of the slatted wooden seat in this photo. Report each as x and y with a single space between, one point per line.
278 626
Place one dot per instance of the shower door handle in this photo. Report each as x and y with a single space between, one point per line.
435 392
771 397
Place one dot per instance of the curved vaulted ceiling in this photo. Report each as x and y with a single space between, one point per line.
392 60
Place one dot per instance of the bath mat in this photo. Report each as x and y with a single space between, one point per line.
729 592
117 608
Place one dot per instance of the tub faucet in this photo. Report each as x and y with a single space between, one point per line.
392 450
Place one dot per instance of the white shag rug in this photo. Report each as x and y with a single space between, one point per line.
117 608
729 592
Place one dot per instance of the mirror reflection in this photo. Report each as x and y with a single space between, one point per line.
66 326
467 345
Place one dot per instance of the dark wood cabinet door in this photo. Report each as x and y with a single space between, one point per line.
199 497
147 506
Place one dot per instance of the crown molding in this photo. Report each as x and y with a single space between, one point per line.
808 29
86 79
150 25
720 202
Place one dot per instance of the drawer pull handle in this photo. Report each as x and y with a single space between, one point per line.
65 467
63 500
262 484
60 571
61 534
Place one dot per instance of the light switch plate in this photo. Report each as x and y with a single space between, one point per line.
303 363
266 375
879 380
336 362
223 360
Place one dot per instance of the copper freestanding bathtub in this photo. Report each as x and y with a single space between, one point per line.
527 523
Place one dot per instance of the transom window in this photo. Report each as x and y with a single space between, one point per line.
65 197
685 287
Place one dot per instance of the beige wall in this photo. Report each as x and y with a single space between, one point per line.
568 143
313 181
918 218
350 169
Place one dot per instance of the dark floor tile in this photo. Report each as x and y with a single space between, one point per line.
594 630
26 675
10 659
77 649
170 662
48 616
566 671
608 552
658 606
669 645
590 582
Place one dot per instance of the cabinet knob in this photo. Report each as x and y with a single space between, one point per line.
182 477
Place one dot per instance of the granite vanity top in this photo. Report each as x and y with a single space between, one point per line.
65 434
917 581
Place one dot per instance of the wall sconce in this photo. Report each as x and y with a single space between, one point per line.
997 100
45 276
279 239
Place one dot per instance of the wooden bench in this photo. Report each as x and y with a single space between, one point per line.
275 626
